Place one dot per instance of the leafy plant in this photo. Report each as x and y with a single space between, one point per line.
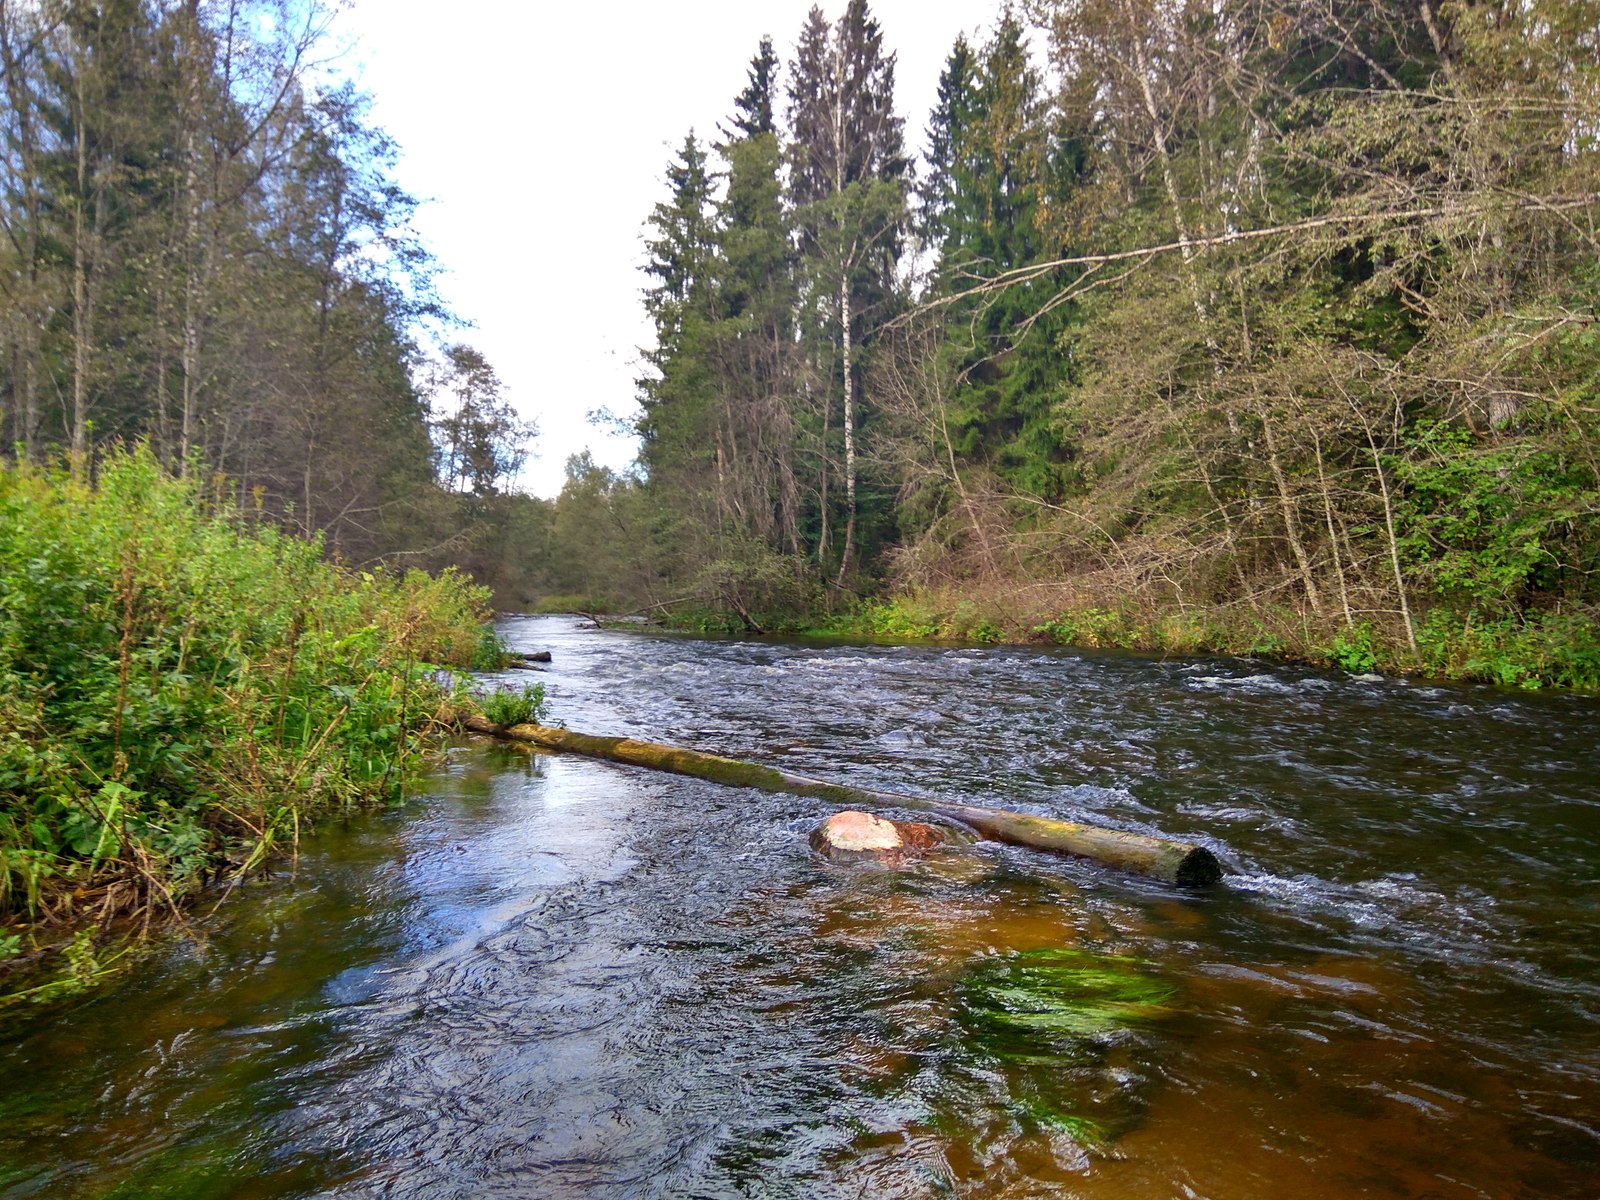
490 652
1264 641
1354 652
79 965
1486 525
1062 630
1540 649
1097 627
183 689
508 706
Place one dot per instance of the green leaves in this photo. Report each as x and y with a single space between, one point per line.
1487 525
92 827
507 706
490 652
1354 651
179 691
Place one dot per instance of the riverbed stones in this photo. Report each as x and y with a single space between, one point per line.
855 835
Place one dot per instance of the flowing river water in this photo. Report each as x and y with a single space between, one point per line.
553 977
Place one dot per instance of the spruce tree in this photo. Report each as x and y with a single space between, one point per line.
755 342
998 161
681 244
946 133
674 426
753 107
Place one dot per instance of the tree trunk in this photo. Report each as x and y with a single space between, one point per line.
1286 506
1394 541
1182 863
849 429
1333 533
1158 135
28 313
82 299
194 261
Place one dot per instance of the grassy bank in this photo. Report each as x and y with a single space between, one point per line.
1532 650
183 689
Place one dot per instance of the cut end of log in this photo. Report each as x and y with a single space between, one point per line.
853 834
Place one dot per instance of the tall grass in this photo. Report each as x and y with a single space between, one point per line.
1527 650
184 688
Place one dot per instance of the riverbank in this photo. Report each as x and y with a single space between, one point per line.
183 690
1537 650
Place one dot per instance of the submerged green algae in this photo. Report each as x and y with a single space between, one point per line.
1050 1020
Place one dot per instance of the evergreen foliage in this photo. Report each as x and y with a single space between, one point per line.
753 112
768 286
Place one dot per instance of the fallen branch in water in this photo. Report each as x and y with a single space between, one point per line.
1182 863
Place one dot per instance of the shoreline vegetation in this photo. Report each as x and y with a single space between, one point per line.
1553 650
185 688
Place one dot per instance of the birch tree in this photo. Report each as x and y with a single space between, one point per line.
848 176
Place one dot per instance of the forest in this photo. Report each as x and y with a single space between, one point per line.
236 423
206 250
1252 326
1247 326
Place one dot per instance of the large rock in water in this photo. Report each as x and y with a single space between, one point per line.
852 834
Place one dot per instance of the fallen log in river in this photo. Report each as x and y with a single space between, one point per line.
1182 863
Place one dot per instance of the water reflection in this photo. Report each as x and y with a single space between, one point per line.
552 977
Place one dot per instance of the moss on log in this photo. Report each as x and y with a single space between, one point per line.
1181 863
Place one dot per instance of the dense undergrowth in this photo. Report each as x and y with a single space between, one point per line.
184 688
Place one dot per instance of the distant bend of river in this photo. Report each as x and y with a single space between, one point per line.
552 977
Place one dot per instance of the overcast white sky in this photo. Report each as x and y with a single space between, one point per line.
540 133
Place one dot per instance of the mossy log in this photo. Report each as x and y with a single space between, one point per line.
1182 863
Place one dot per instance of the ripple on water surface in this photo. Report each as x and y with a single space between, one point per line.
551 977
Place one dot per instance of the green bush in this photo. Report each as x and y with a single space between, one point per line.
1557 649
1096 627
490 653
508 706
1489 526
1061 630
1353 650
182 691
900 619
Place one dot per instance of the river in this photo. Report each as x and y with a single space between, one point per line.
552 977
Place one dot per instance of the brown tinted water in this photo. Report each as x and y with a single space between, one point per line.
548 977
